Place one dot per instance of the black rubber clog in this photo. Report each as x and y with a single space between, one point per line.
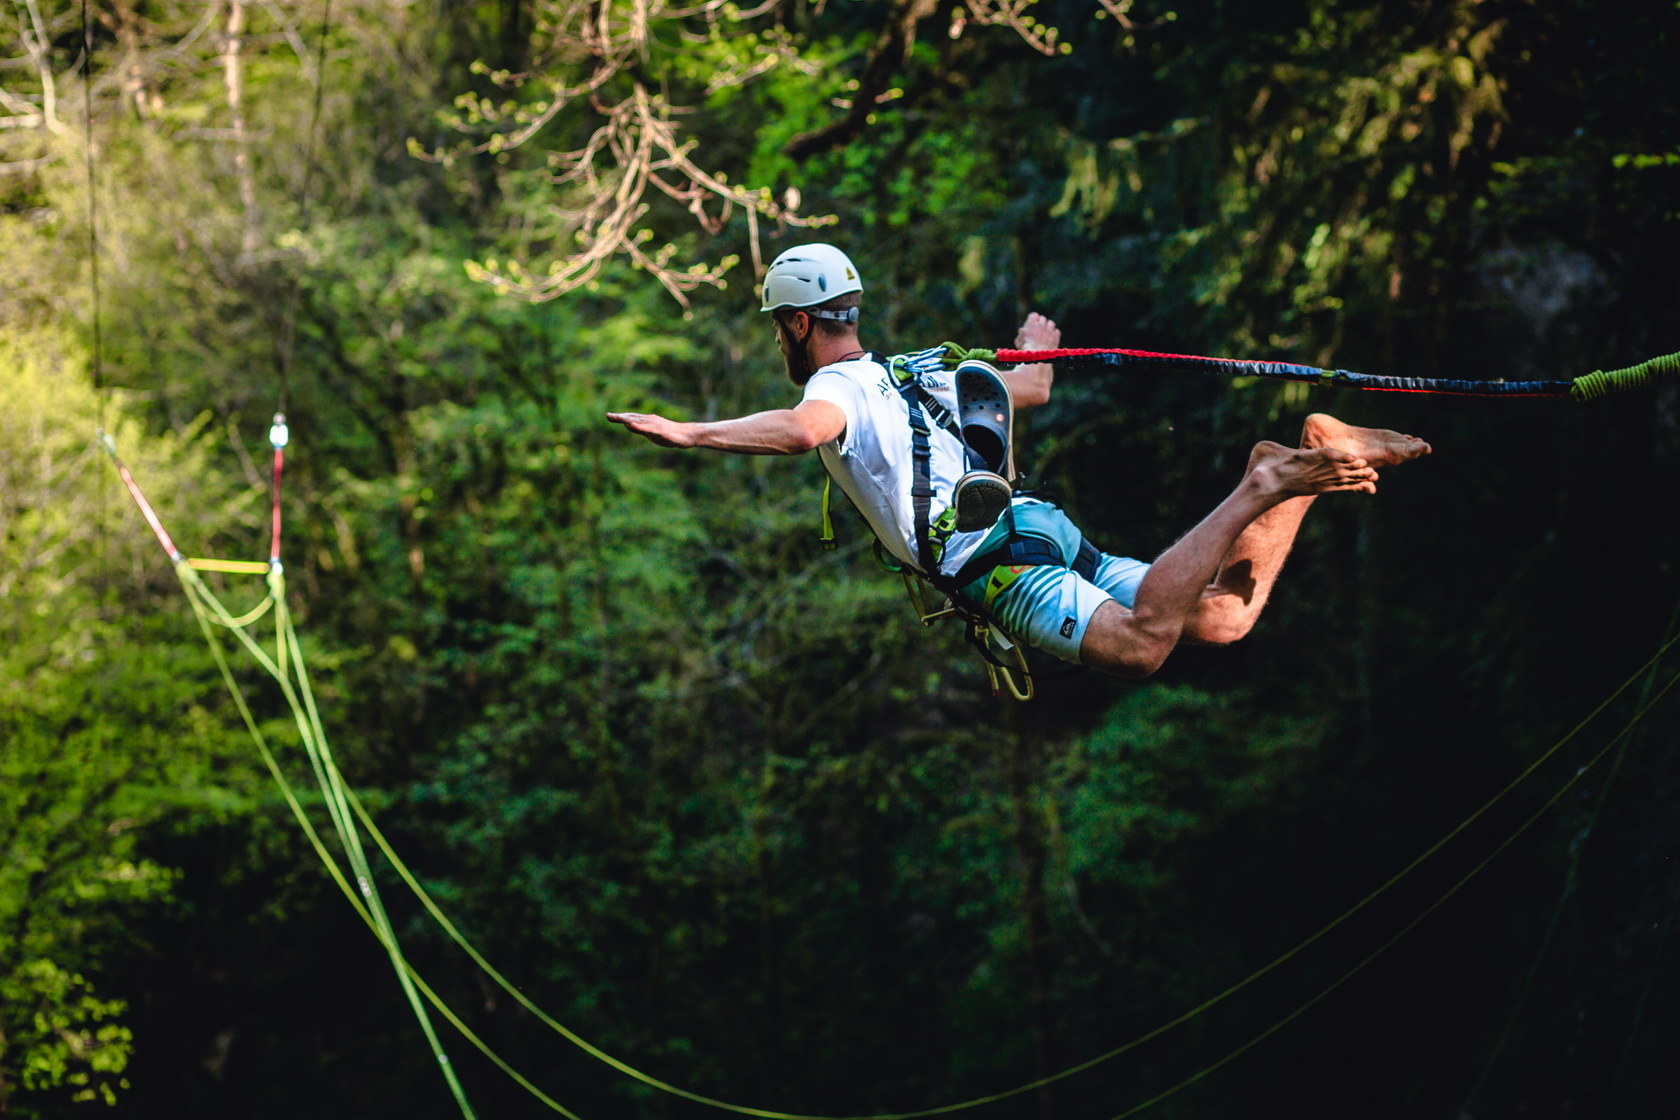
985 417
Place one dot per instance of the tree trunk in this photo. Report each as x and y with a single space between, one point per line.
234 78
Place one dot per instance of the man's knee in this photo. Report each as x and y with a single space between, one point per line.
1220 620
1118 643
1134 661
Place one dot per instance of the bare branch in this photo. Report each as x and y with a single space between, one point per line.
37 43
289 29
18 104
18 167
1013 15
596 45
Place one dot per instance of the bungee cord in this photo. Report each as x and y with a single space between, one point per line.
1587 387
349 816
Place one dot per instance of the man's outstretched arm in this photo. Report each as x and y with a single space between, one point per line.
782 431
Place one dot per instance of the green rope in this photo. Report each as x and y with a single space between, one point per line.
326 773
954 354
248 617
1603 382
337 874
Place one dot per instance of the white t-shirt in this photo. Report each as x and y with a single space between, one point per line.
871 459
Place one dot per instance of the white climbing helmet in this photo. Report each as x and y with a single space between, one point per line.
808 275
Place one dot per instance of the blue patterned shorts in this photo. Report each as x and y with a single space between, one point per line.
1045 606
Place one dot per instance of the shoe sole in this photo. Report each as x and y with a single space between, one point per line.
981 498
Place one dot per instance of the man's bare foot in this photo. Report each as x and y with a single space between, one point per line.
1377 446
1038 333
1282 472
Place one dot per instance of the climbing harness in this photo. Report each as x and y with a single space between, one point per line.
1014 554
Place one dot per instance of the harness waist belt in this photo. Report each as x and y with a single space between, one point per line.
1025 549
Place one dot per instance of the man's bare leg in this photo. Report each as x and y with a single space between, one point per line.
1230 604
1134 643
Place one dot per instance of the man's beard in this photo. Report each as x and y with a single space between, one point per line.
798 363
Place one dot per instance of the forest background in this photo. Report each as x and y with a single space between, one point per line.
709 793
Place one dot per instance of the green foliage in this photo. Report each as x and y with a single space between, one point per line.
104 734
67 1041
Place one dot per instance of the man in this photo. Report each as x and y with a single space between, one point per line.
1117 615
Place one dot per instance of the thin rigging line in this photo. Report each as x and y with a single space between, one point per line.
92 204
288 328
1570 876
1409 926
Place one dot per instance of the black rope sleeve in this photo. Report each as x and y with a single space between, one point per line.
1312 375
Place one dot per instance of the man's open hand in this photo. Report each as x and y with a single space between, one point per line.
666 433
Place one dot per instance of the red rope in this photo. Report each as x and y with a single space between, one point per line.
1019 357
146 510
274 547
